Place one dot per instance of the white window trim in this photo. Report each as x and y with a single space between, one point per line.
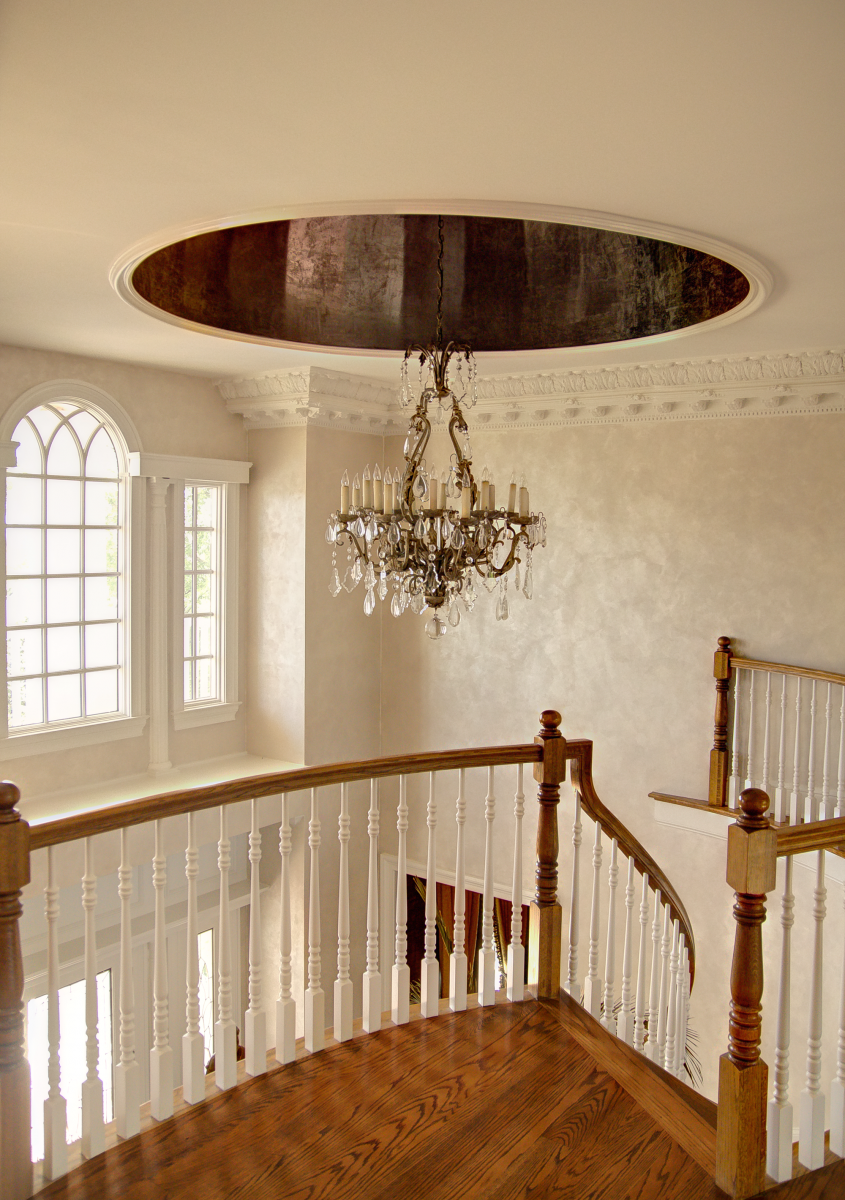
90 731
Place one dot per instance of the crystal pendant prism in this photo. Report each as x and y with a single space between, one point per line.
335 586
359 528
516 574
357 572
419 528
435 628
417 602
382 585
330 533
502 612
369 602
419 487
393 535
457 539
396 604
454 617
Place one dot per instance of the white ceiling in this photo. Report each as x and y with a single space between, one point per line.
120 121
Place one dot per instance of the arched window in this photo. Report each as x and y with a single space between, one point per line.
65 573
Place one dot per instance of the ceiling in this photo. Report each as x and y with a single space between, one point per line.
123 127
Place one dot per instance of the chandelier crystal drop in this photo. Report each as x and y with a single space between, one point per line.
422 535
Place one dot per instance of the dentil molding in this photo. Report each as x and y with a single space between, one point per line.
692 389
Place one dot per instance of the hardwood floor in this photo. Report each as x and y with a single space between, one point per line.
494 1103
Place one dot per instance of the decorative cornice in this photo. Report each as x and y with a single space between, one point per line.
692 389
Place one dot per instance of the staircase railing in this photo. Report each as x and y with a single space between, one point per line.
651 1005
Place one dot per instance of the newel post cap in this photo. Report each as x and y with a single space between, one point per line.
552 770
752 846
14 841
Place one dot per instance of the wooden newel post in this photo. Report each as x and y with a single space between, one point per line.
718 793
544 930
15 1165
743 1076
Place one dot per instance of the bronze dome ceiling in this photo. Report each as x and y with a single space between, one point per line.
370 282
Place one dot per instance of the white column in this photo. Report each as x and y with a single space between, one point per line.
779 1111
158 650
127 1073
225 1033
592 985
796 808
487 953
314 999
837 1088
285 1005
255 1021
401 976
608 1019
733 783
654 987
458 963
625 1024
672 1001
811 1109
430 968
640 1008
93 1133
749 759
161 1055
516 950
55 1108
372 975
193 1043
343 984
781 805
572 986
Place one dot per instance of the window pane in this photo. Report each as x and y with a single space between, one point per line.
205 688
63 648
101 504
188 637
189 594
189 551
204 634
189 506
45 421
23 602
26 703
100 692
84 424
63 600
23 552
63 552
205 947
204 551
101 645
101 459
28 455
189 681
63 454
64 499
203 593
100 550
101 598
23 501
205 506
23 652
63 697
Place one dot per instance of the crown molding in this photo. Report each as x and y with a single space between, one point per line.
798 383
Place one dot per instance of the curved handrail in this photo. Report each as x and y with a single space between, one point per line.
580 754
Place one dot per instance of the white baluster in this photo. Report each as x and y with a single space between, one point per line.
811 1109
811 759
572 985
608 1019
654 989
827 799
55 1107
839 811
680 1009
685 1011
93 1133
781 806
401 978
161 1055
592 984
764 774
314 998
733 782
225 1030
430 968
663 1002
625 1023
193 1043
837 1088
749 758
796 807
640 1008
458 963
255 1020
343 984
672 1000
127 1073
285 1005
487 953
516 950
372 975
779 1112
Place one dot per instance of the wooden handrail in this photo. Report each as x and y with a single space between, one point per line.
173 804
581 755
815 835
753 664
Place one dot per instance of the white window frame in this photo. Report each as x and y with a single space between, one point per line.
87 731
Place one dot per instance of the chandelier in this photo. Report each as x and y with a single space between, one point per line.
424 536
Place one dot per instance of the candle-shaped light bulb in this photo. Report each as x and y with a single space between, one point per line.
523 498
356 492
512 493
444 489
492 497
378 490
485 490
344 493
432 488
388 493
466 495
368 488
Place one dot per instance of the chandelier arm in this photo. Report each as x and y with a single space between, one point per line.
507 565
458 422
414 457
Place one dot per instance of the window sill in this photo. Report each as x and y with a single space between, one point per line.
205 714
70 737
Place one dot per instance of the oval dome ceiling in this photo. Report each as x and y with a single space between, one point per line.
369 282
